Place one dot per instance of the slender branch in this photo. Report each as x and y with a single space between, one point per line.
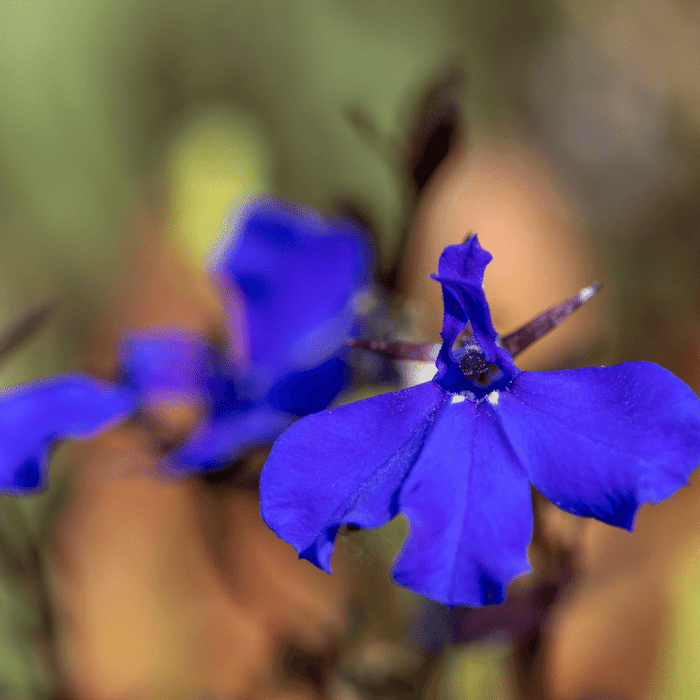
517 341
24 327
398 350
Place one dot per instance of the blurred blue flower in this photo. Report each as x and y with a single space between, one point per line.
290 282
457 455
36 415
295 277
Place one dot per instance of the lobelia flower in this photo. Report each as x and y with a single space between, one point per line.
296 277
457 455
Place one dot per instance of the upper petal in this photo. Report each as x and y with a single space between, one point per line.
461 274
466 302
344 466
466 261
297 273
600 441
33 416
467 501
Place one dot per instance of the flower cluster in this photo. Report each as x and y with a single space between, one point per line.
457 455
292 280
286 274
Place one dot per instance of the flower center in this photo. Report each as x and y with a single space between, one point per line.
473 363
477 377
475 367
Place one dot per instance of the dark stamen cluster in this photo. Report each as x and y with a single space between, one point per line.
473 363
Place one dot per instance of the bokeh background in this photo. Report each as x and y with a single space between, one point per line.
565 132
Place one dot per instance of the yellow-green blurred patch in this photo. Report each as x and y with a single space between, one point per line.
219 160
476 672
678 671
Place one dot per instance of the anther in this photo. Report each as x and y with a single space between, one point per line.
473 363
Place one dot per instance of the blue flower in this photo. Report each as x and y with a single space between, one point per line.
33 417
457 455
295 277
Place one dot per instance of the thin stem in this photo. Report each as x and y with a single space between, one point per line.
517 341
24 327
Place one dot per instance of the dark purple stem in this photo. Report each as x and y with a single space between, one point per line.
398 350
517 341
24 327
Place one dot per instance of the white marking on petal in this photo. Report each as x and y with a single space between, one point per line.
493 398
586 293
414 372
458 398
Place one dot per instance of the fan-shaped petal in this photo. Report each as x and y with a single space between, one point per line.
298 274
468 505
600 441
345 466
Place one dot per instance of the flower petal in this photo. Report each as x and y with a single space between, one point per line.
345 466
466 302
35 415
167 365
600 441
220 440
468 505
466 261
298 274
461 274
310 391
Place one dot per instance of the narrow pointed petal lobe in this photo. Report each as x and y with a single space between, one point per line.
465 261
600 441
467 501
461 274
345 466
